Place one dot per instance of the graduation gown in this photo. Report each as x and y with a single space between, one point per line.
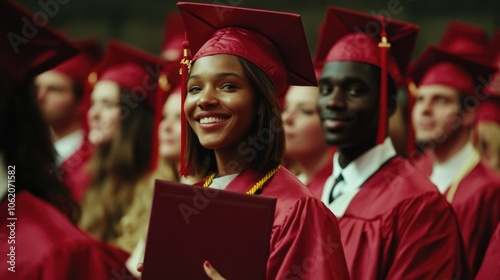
477 207
398 226
316 184
490 268
74 172
48 246
305 239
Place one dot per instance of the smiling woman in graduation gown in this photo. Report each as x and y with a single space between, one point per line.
235 135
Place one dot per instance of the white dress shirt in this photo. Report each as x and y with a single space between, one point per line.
355 174
221 183
68 145
443 174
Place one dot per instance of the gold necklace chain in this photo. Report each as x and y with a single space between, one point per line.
255 187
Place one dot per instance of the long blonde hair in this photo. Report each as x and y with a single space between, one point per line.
116 168
134 224
488 138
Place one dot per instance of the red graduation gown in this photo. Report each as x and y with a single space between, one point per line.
398 226
48 246
74 172
490 268
477 208
317 183
305 239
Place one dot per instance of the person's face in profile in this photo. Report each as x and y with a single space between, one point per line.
348 102
436 113
303 130
220 103
169 130
104 113
56 98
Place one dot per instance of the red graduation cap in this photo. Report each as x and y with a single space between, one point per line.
493 88
489 110
439 67
273 41
131 68
467 41
352 36
27 47
173 37
79 67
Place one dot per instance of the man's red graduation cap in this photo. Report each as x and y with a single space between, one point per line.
439 67
351 36
79 67
465 40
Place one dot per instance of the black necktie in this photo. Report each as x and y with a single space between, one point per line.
339 178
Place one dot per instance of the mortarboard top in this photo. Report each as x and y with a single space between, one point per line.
467 41
439 67
274 41
131 68
79 67
352 36
28 49
174 33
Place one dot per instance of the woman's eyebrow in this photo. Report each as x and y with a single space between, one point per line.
218 75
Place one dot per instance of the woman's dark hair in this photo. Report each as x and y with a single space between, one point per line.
267 129
27 144
116 169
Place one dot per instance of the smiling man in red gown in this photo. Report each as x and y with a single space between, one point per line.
394 223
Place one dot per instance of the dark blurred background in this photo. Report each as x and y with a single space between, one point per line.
140 22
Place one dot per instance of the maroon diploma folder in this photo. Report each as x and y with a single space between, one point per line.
192 224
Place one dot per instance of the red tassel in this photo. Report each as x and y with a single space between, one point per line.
410 133
184 72
161 92
384 47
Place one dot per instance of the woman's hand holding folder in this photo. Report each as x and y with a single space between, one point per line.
211 272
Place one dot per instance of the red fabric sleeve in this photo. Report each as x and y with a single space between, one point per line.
307 245
428 244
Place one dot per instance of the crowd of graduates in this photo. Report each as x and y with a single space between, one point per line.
397 161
